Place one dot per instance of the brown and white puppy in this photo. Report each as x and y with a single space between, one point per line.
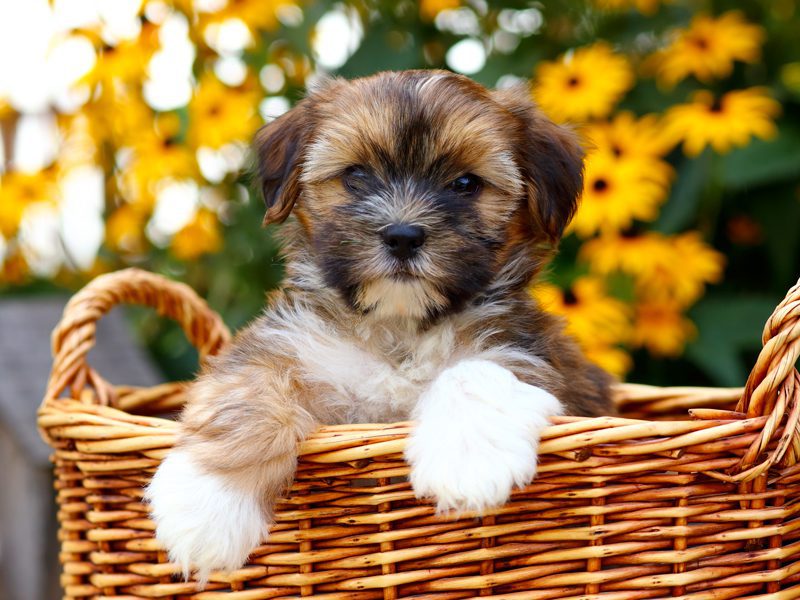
423 204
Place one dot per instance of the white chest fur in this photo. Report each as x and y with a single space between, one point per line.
374 373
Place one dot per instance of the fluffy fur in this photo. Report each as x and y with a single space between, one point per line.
476 438
449 336
206 502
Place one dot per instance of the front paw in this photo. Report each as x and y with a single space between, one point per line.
477 436
205 521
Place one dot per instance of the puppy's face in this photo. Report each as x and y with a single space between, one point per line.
416 190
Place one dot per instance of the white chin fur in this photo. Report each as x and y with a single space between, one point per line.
389 298
204 521
477 436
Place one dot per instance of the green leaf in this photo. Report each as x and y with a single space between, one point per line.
763 162
385 47
780 216
681 207
728 325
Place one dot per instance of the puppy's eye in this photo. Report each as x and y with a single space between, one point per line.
466 185
355 177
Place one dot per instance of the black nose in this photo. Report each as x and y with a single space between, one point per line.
403 240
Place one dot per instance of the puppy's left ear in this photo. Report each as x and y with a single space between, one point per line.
551 159
279 147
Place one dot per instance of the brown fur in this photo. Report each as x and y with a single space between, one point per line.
333 346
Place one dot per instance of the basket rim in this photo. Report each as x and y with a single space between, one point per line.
567 435
768 409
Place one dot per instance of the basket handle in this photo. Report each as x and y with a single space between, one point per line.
74 336
773 391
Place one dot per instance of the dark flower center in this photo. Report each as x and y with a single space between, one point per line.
632 232
716 106
700 42
573 82
600 185
569 297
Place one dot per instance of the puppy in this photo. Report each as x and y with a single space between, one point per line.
424 205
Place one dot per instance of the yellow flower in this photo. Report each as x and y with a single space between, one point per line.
625 136
612 359
593 317
661 328
17 192
682 272
597 321
666 268
627 157
201 236
646 7
119 117
428 9
219 114
583 84
632 254
125 229
708 48
723 123
615 192
168 160
156 155
126 62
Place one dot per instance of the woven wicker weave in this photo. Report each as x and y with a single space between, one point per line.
659 504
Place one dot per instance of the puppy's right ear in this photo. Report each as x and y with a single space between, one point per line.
279 149
550 157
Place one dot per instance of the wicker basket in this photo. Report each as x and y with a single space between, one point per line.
700 505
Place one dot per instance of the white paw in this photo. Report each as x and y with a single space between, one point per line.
477 436
204 521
